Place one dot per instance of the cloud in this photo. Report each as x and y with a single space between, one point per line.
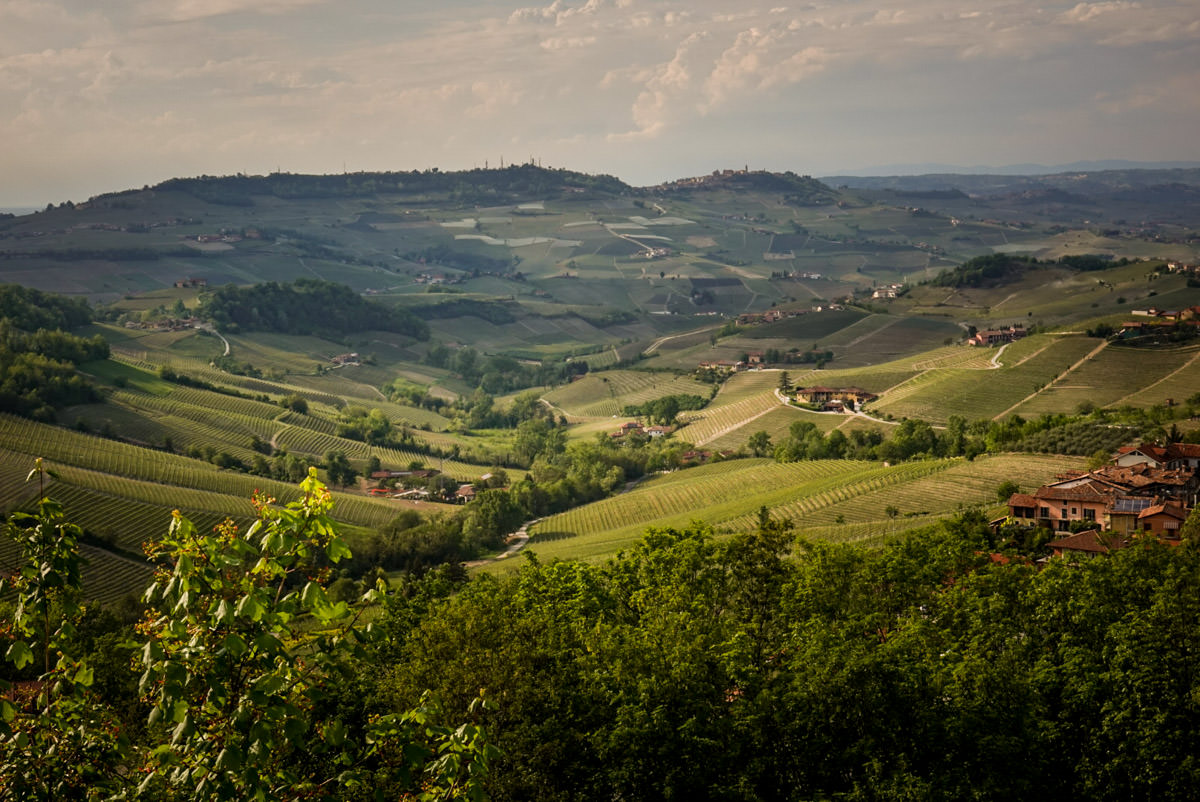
198 82
189 10
1086 12
567 42
761 60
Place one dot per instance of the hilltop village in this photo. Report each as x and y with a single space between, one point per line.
1147 489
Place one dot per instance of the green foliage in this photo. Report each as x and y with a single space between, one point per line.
692 668
241 693
245 651
29 309
664 410
1005 490
37 363
998 268
305 306
55 741
983 271
759 444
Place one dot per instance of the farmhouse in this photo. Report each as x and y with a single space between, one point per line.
1142 495
996 336
1175 456
723 366
1091 543
852 397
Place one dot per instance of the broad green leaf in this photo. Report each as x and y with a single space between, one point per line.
248 607
19 654
334 733
235 644
337 550
83 676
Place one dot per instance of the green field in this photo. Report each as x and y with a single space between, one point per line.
569 277
606 393
811 493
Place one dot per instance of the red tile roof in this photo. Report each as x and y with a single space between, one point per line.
1090 541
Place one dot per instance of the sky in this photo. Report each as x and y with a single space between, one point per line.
98 97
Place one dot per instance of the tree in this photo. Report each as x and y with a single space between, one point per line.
759 443
1006 489
60 742
339 469
245 689
785 383
296 403
1190 531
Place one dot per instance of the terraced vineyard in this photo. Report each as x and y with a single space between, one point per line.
606 394
1179 384
714 422
1093 381
934 495
937 395
775 423
813 494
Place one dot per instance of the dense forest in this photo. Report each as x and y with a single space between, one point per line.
757 666
305 306
38 356
468 186
998 268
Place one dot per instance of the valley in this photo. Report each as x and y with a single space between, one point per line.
544 305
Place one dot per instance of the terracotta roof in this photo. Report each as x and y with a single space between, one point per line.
1090 541
1022 500
1173 510
1089 491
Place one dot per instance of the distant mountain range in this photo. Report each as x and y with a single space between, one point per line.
928 168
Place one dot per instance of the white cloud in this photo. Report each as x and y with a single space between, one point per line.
188 10
308 81
567 42
759 60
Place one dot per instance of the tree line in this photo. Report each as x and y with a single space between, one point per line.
305 306
38 357
762 666
995 268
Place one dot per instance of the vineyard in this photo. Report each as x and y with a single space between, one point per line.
776 423
1092 382
606 394
936 395
828 499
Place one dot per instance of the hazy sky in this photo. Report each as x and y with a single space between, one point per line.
100 96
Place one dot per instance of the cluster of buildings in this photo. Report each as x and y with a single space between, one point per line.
888 291
1147 489
1183 267
997 336
834 399
633 427
416 485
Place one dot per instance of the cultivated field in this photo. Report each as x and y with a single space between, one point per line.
811 493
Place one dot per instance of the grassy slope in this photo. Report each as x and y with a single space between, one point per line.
729 494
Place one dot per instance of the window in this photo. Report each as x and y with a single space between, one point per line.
1074 510
1089 514
1045 512
1064 513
